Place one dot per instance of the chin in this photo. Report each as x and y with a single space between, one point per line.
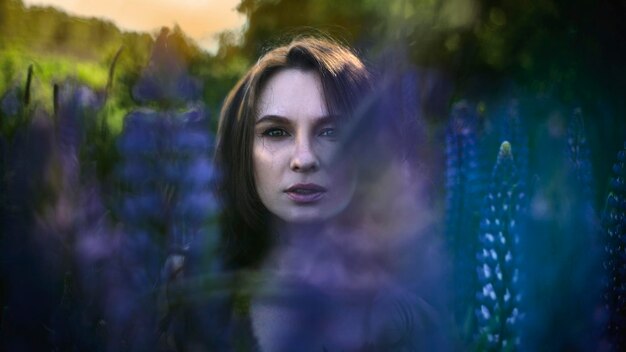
311 214
304 216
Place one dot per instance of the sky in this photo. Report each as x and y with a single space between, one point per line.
199 19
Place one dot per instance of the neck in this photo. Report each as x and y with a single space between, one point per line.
294 233
298 246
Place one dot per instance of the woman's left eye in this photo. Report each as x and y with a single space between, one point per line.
328 132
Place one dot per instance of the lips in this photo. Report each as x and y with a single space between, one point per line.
305 193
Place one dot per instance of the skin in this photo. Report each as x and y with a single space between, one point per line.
295 142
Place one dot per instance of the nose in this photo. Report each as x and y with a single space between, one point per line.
304 158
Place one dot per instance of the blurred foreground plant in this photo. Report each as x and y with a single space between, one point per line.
464 192
166 203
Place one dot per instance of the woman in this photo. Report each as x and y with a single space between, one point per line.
344 81
290 142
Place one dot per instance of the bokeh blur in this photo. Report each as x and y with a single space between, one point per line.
510 226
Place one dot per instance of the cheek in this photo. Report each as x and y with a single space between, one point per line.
346 180
264 161
343 168
259 165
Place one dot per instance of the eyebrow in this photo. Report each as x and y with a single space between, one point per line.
285 120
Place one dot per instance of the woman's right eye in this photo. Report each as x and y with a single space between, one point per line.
275 132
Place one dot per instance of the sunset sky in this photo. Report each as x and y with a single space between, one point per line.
200 19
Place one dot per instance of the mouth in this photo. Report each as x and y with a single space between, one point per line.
305 193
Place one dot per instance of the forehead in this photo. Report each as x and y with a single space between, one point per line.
293 93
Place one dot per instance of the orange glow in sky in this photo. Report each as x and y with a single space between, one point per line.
200 19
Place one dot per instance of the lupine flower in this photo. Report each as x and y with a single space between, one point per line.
10 103
77 108
498 298
579 156
165 79
29 262
464 191
614 223
561 226
167 205
512 129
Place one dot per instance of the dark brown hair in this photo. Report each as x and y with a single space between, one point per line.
345 82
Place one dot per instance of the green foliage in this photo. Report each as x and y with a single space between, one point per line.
219 74
47 70
56 32
60 46
268 20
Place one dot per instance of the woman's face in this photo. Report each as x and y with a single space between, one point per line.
296 170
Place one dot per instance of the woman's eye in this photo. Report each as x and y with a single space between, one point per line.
275 132
328 132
